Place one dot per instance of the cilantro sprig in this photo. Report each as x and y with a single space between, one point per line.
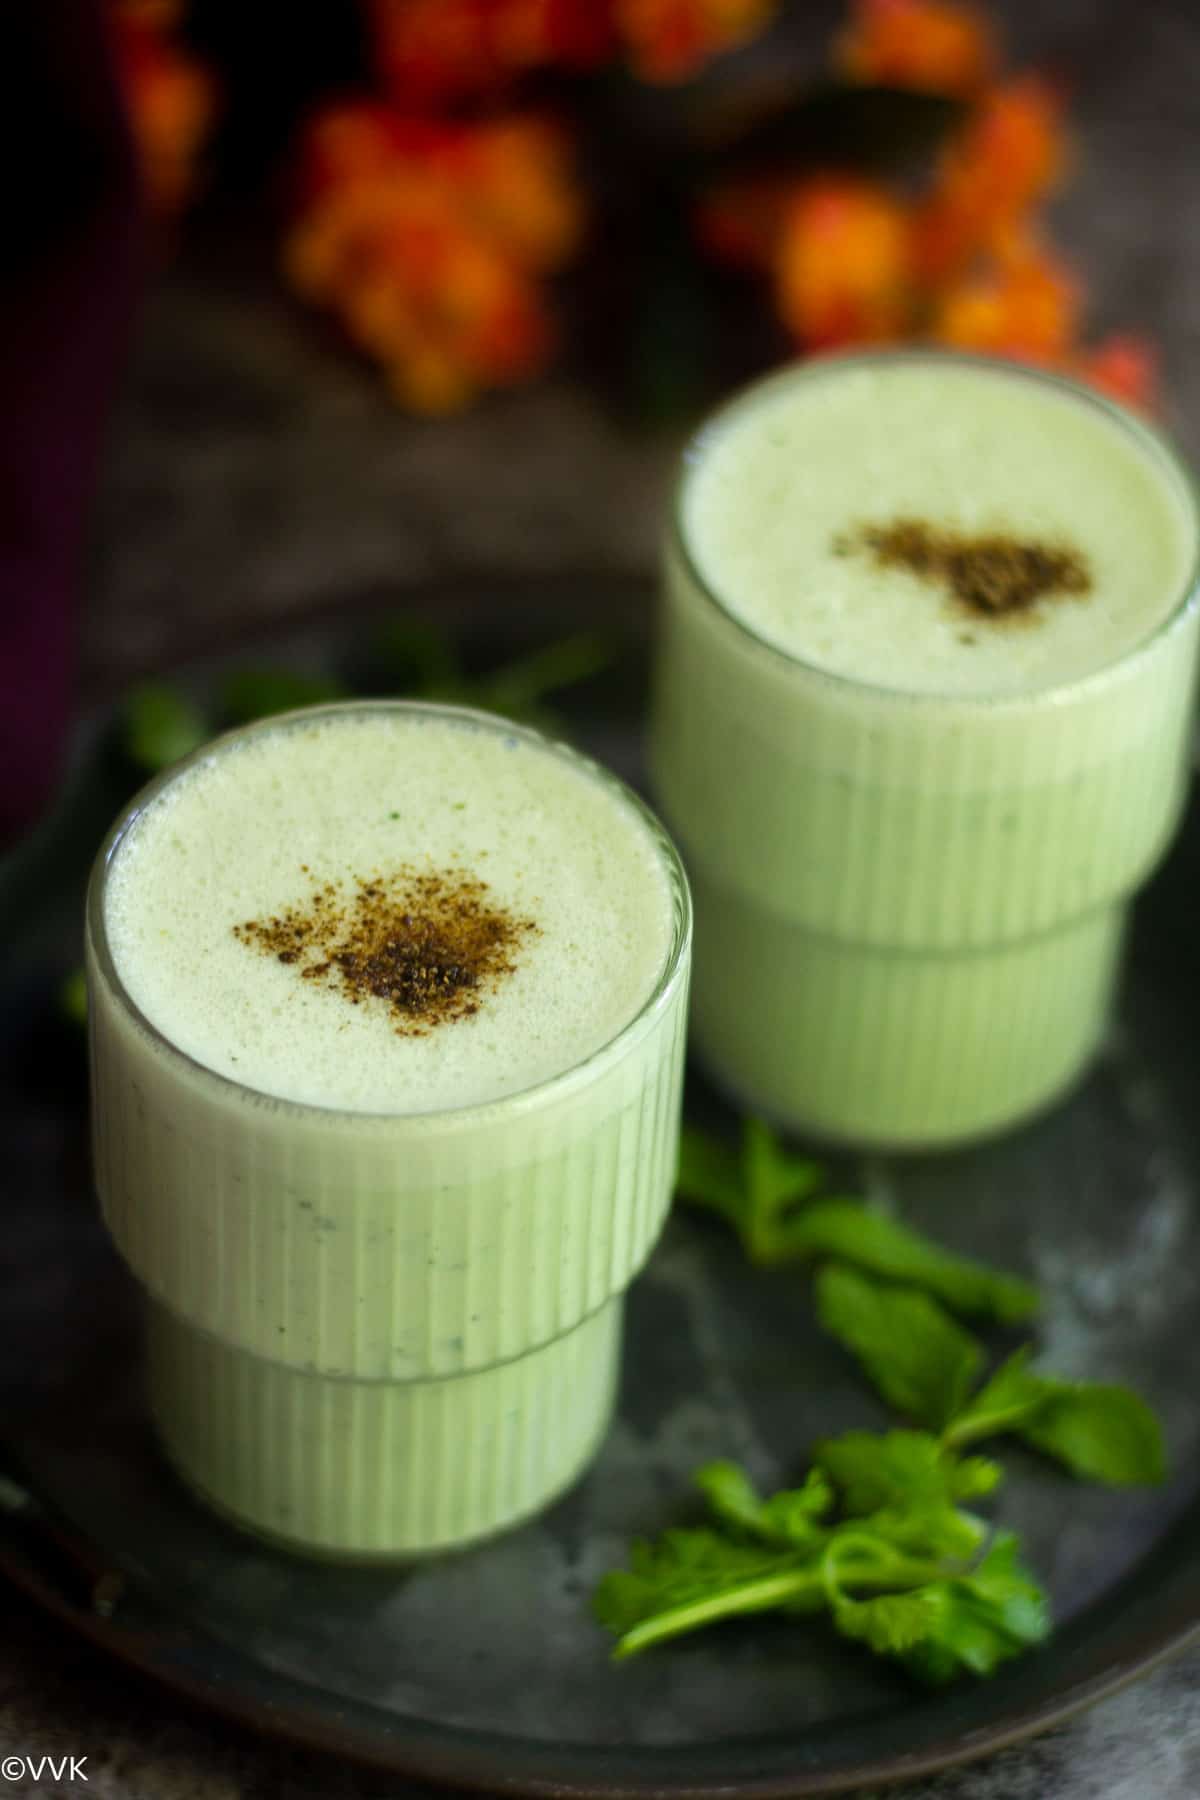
928 1368
881 1537
776 1203
159 723
925 1584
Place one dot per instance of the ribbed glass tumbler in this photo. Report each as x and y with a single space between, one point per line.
909 907
373 1334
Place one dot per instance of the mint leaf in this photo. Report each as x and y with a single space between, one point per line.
159 725
250 694
983 1618
853 1233
787 1518
922 1363
873 1471
753 1191
1101 1432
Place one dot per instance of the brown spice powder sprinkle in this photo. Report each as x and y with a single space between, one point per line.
991 575
427 943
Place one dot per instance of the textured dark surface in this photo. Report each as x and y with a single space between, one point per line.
254 471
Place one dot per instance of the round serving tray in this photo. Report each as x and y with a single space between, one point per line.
484 1670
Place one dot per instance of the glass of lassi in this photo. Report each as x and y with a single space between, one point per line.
920 727
387 1009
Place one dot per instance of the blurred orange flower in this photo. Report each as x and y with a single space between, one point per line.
170 96
1123 366
843 265
1003 163
931 45
430 53
668 40
1028 309
428 240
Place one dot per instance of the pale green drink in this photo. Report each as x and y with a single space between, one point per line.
385 1233
912 824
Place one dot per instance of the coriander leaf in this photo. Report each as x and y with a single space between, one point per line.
775 1181
890 1623
919 1359
518 686
710 1175
159 725
872 1471
766 1194
853 1233
753 1191
932 1531
984 1618
787 1518
418 657
1012 1396
1101 1432
691 1579
250 694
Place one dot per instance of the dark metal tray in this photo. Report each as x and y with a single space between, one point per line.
484 1669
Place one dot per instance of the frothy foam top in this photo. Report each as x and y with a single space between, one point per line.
791 487
418 811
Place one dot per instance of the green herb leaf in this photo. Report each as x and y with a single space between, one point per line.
890 1624
710 1175
754 1191
520 686
691 1579
1101 1432
250 694
922 1363
417 657
1005 1403
983 1618
872 1471
786 1518
854 1234
72 997
159 725
931 1531
767 1195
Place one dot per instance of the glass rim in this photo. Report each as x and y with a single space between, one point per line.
673 970
1157 443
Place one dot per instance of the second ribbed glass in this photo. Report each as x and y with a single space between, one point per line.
909 909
